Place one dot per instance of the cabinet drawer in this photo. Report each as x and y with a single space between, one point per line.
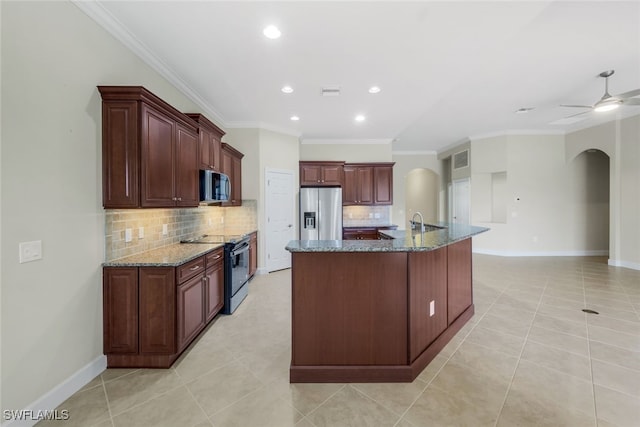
214 257
190 269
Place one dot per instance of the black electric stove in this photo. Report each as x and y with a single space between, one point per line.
236 266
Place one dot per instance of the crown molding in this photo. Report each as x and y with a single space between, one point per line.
308 141
263 126
113 26
517 132
414 153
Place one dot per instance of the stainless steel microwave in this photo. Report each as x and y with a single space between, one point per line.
214 187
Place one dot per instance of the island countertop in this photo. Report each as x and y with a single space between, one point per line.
435 236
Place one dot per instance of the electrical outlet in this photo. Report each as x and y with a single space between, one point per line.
432 308
165 229
30 251
376 215
141 233
370 214
127 235
209 221
221 220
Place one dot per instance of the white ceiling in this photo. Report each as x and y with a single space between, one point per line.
448 70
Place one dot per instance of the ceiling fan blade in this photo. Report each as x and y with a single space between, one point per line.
576 106
629 94
579 114
631 101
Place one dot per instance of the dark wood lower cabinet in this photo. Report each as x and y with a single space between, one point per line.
459 279
151 314
191 317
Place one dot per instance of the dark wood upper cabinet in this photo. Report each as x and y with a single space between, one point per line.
210 136
232 166
358 185
383 185
318 174
149 151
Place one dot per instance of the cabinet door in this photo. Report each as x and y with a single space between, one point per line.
383 185
120 309
365 185
191 318
205 150
157 310
253 254
427 289
186 173
158 134
350 186
331 175
214 290
216 158
236 181
310 174
120 155
459 278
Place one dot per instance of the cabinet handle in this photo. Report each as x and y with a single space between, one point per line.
179 199
174 198
217 257
194 268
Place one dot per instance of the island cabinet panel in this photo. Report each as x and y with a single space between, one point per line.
459 279
427 298
157 310
120 296
349 311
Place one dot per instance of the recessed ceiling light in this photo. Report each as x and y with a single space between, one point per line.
271 32
360 118
287 89
295 118
374 89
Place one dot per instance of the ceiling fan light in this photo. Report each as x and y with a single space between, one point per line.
606 107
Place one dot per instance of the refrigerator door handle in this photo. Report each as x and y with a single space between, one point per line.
319 221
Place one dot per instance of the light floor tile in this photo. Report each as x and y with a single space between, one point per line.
616 377
85 408
133 389
617 408
615 355
555 358
570 343
349 407
394 396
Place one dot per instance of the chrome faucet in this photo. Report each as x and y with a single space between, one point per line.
413 224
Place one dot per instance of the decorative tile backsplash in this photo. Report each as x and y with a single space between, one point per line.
181 224
361 216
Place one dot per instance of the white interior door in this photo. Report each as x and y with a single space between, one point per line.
280 210
461 201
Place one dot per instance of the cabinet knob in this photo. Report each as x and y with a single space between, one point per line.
180 199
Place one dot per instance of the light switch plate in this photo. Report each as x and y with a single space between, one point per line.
127 235
30 251
165 229
141 233
432 308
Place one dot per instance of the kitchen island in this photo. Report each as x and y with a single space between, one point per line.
378 310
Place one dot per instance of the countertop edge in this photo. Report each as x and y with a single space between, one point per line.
197 251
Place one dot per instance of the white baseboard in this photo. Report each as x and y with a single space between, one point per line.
262 270
602 252
54 397
625 264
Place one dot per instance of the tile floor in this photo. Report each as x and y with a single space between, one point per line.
529 357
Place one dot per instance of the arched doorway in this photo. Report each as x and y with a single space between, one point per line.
590 200
421 194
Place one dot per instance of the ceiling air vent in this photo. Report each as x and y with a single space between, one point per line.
331 91
461 159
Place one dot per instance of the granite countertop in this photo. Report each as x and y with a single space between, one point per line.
167 256
435 236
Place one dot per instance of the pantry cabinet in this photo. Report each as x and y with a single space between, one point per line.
149 151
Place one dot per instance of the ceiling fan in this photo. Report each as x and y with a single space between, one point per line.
609 102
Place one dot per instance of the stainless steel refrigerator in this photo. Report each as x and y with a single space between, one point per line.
321 213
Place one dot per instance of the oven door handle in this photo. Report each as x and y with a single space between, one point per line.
240 249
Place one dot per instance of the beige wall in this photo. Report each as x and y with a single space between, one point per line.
405 163
353 153
619 139
556 203
53 56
